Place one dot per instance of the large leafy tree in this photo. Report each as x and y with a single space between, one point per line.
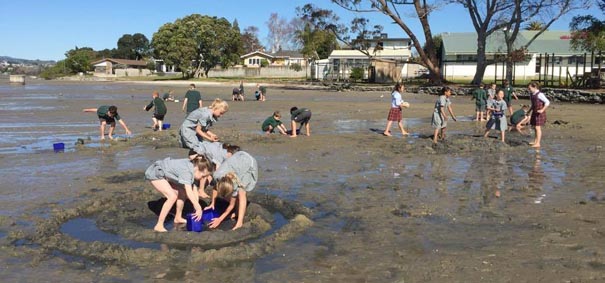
316 43
135 46
588 32
357 33
250 40
79 59
198 43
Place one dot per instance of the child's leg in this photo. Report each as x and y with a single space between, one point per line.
171 195
443 133
502 133
538 136
102 129
269 130
403 132
486 134
308 128
436 135
477 114
112 127
159 124
180 203
387 130
155 122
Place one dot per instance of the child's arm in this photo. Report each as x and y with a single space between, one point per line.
124 126
213 201
241 209
200 103
184 104
282 129
193 197
149 106
206 135
217 221
515 95
89 110
449 108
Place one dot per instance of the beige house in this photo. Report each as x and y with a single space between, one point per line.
279 58
111 67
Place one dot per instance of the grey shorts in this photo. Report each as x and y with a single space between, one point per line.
303 118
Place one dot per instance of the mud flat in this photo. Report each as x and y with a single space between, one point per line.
345 204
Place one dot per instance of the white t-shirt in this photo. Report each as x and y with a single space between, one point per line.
396 99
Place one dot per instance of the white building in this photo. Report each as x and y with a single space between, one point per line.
549 57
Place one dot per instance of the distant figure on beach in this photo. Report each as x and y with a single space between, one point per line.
108 115
158 113
193 100
168 96
235 94
215 152
175 179
261 92
491 94
498 119
196 126
509 93
274 122
439 120
241 89
395 113
519 119
480 98
236 177
539 104
302 116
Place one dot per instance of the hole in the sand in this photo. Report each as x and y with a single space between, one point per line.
85 229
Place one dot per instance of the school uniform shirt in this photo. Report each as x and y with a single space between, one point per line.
437 121
102 113
499 116
160 106
396 99
193 100
480 97
270 121
245 168
517 117
202 116
508 94
214 151
178 171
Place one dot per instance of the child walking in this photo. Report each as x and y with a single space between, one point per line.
498 118
159 112
193 100
480 98
395 115
439 120
175 179
235 179
539 104
108 115
302 116
274 122
199 122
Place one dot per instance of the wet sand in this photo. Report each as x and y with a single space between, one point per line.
379 209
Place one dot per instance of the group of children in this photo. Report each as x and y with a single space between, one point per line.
298 115
238 93
491 105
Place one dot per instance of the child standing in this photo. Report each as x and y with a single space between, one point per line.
175 179
193 100
199 122
498 118
480 98
108 115
235 179
519 119
159 112
439 120
509 93
491 94
539 104
272 123
395 115
302 116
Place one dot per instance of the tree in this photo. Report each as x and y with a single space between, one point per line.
250 40
508 16
360 30
316 43
534 25
282 33
133 47
79 59
588 32
197 44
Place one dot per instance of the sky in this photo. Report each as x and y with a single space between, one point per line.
46 29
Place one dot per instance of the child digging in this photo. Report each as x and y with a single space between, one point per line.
498 118
272 123
108 115
519 119
302 116
197 124
175 179
158 113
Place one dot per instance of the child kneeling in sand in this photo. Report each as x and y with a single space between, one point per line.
234 180
108 115
272 123
519 119
175 179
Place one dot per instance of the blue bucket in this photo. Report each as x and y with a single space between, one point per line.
58 147
192 225
208 215
165 126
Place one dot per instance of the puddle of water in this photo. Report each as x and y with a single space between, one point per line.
86 230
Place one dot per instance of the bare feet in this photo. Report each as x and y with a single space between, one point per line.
405 133
159 228
536 145
203 194
388 134
180 220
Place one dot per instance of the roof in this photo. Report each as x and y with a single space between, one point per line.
121 61
557 42
385 54
257 52
288 54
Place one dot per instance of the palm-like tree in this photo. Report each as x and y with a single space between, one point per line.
535 25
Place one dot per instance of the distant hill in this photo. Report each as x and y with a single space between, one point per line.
26 61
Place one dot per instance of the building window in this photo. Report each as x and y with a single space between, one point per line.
574 59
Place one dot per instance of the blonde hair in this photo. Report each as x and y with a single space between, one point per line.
226 185
219 104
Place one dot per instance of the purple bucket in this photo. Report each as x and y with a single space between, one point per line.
192 225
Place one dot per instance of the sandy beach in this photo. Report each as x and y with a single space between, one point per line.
345 204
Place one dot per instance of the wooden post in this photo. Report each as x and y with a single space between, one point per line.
560 71
577 65
584 64
540 69
495 67
566 76
591 61
545 83
552 71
